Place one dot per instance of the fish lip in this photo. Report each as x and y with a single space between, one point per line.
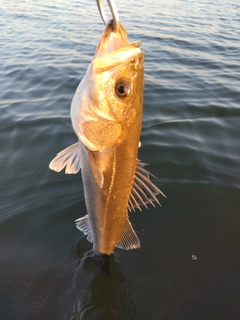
111 41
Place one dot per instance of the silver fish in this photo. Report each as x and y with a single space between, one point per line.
106 114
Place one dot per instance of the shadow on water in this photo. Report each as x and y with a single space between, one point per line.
101 290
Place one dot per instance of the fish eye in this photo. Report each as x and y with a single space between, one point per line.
122 89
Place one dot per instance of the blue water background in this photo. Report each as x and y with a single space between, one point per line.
188 266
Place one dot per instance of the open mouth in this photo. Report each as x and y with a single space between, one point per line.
111 41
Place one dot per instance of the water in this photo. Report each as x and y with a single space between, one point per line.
190 137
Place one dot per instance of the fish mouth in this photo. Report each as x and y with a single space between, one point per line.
112 41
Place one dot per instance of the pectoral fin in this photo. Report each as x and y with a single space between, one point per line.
144 190
69 157
129 239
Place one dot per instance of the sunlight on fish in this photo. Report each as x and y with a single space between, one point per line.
106 114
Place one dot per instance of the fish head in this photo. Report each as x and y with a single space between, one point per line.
111 98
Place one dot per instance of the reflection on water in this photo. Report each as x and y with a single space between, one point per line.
101 290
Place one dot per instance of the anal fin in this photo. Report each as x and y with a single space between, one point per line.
69 158
144 191
83 225
129 239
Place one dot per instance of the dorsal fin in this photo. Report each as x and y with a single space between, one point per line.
129 239
144 190
83 225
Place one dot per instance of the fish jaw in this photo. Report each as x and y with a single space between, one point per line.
111 41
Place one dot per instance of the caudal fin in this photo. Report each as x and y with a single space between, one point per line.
69 158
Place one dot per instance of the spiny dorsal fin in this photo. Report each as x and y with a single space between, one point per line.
69 157
129 239
83 225
144 190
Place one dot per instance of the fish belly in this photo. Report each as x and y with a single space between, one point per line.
107 206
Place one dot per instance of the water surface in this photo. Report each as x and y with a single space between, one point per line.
188 266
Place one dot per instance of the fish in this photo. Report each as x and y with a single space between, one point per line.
106 114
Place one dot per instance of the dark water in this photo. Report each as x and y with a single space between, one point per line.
188 266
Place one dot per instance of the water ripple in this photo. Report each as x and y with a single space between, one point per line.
190 138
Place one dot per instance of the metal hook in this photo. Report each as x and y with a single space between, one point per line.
113 10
